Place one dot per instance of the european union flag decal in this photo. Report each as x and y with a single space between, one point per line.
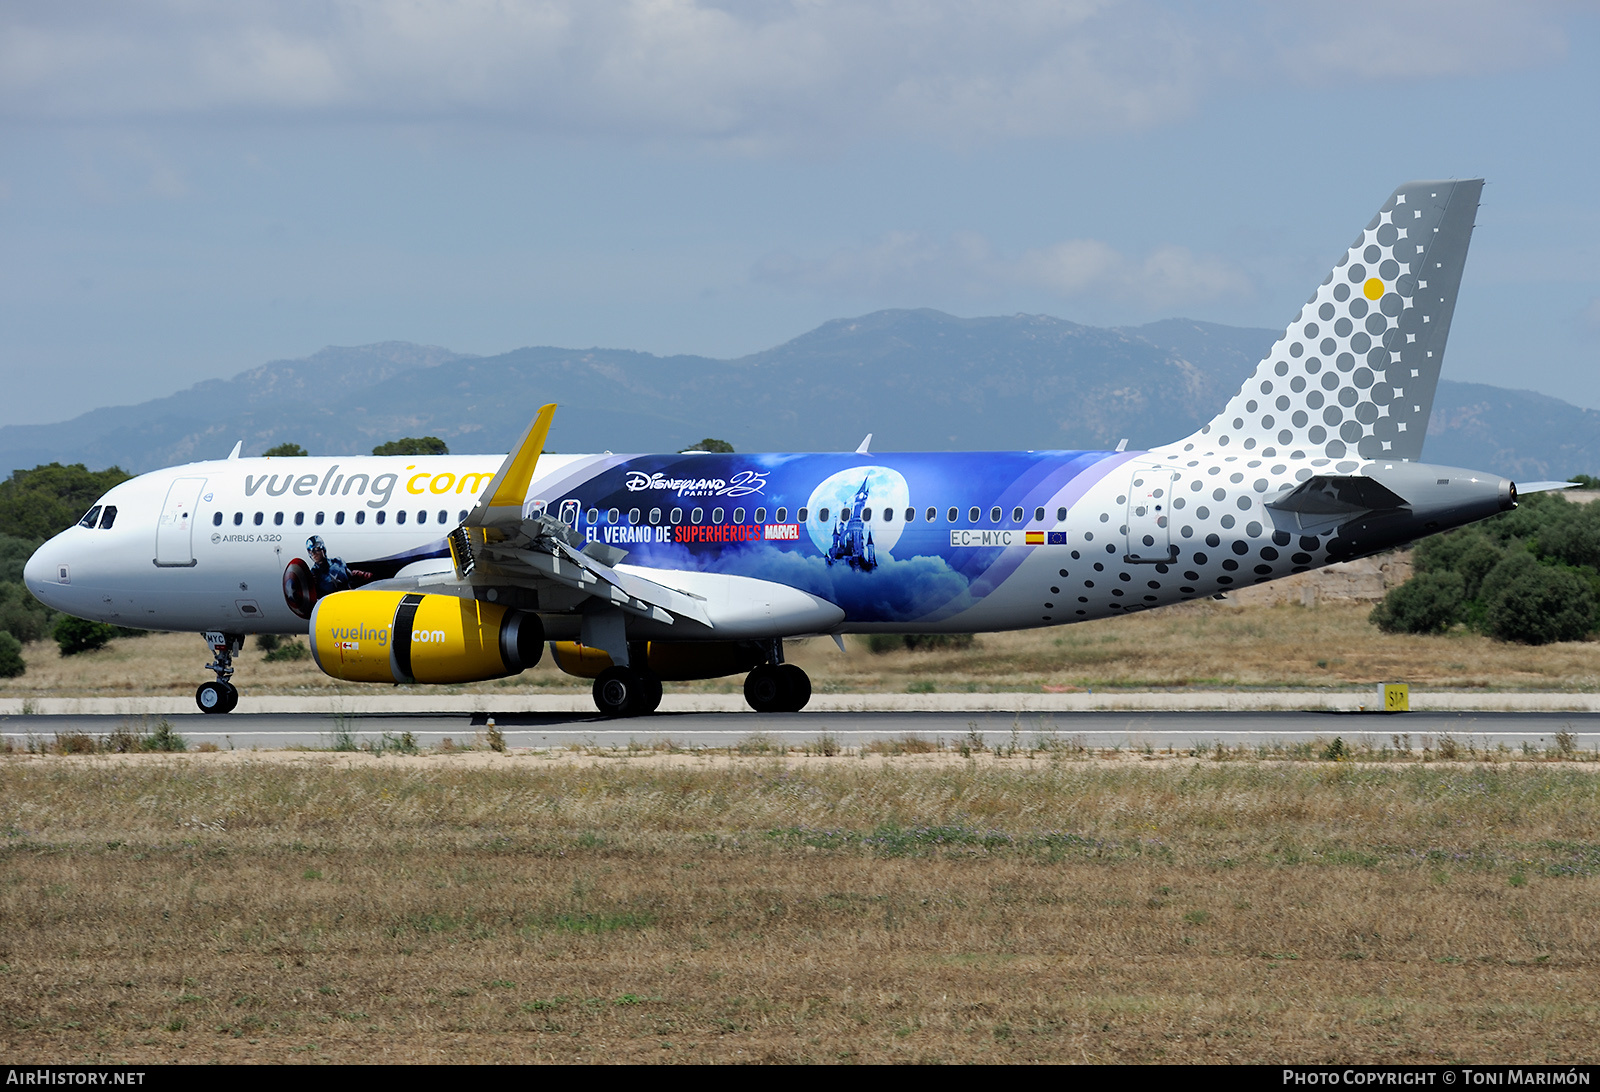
1057 538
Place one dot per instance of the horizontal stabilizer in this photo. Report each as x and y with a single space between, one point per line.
1337 495
1523 488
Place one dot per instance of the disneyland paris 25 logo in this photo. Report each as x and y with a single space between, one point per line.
742 484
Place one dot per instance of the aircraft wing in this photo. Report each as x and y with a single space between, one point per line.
502 543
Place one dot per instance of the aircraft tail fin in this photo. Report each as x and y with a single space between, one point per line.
1354 374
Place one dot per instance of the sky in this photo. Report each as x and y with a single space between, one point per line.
188 190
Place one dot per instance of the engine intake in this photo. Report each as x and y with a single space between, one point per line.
403 637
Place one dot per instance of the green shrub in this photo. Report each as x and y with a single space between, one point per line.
76 635
11 664
1536 604
286 450
1429 602
287 652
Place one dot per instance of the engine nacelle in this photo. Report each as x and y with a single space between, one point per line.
402 637
672 661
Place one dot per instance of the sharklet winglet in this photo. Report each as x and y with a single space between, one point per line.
502 502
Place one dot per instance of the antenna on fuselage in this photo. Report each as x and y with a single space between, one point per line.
1122 444
237 447
862 450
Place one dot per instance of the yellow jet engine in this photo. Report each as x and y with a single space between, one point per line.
403 637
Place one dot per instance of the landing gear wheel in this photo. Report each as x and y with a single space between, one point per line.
777 688
216 697
797 684
619 692
649 694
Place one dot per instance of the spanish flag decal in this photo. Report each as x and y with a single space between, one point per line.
1035 538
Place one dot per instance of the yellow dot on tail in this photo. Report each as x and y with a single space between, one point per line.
1373 288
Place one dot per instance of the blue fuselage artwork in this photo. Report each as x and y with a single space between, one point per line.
890 538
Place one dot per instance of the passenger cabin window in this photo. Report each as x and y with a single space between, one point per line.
338 517
361 515
216 519
1016 515
761 515
459 519
738 515
90 518
822 515
866 513
951 515
655 516
972 514
697 515
238 519
911 515
277 519
1038 515
994 514
633 517
400 516
381 515
800 517
109 518
677 516
932 514
299 519
260 516
444 517
319 519
783 515
613 516
716 516
1061 515
594 515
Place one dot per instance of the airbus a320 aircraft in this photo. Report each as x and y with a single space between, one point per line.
640 569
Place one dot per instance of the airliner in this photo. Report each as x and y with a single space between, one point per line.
636 570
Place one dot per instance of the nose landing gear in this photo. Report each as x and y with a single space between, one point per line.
220 696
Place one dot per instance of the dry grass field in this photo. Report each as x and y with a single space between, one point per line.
1206 644
571 907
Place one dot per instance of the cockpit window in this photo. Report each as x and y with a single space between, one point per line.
91 517
109 517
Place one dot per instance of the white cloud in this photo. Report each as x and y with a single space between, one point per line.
756 73
911 266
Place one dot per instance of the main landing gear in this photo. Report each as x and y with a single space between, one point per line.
625 692
777 688
220 696
772 687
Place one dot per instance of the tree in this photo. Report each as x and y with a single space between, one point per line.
708 444
413 445
11 664
1536 604
76 635
285 451
38 503
1429 602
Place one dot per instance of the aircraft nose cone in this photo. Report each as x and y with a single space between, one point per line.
42 577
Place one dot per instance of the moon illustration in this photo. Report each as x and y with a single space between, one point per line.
886 488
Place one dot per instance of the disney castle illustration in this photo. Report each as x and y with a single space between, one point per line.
852 538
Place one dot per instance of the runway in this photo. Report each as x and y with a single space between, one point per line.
1182 730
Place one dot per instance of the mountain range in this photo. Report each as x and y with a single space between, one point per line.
916 379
